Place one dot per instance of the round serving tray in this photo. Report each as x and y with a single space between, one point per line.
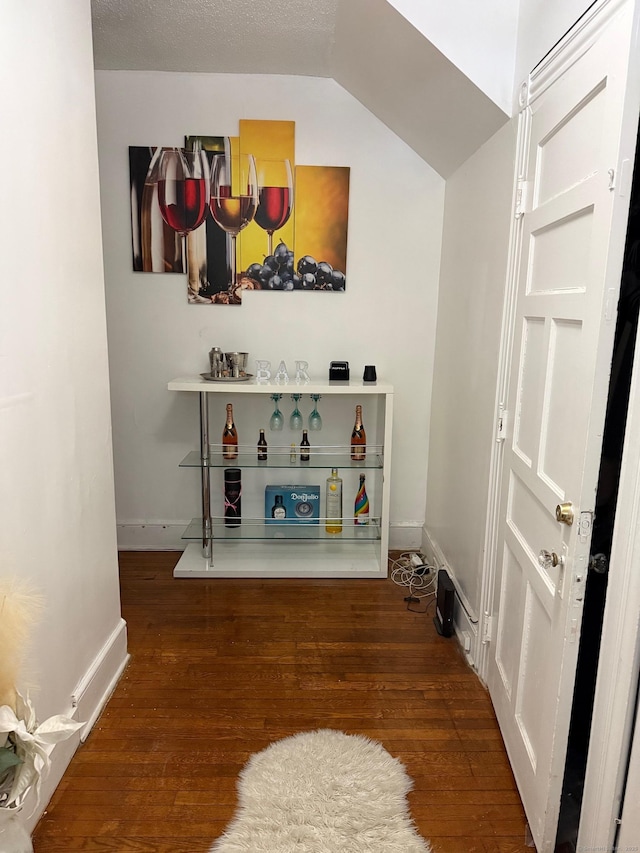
210 378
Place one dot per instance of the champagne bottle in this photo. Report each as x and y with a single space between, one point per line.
262 447
333 503
278 510
229 436
358 438
361 504
305 447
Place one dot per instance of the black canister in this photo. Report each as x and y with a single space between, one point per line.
232 494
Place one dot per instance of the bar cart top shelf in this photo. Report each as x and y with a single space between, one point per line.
251 386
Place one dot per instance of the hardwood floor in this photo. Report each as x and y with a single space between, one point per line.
220 669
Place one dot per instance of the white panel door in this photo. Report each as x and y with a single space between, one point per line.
568 278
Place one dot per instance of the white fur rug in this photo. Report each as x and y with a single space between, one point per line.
322 792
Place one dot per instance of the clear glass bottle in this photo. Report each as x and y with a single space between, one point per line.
333 503
358 438
262 447
229 436
361 504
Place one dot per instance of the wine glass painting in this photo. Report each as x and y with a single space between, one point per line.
183 188
238 214
275 196
234 198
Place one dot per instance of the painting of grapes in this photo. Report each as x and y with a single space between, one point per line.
238 214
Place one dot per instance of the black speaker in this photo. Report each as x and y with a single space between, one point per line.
443 620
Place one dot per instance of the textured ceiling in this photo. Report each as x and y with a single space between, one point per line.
367 46
233 36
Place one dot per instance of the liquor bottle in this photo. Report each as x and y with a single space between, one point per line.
305 447
292 452
229 436
278 510
232 493
361 504
333 503
358 438
262 447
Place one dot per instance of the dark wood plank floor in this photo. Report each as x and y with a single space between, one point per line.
220 669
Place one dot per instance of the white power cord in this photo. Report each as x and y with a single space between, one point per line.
411 571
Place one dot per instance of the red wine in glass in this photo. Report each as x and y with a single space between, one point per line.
275 193
183 188
183 203
274 207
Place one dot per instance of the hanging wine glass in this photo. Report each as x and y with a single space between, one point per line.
275 196
315 421
295 421
277 418
233 202
183 189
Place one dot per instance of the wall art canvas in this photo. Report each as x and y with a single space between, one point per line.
156 246
236 213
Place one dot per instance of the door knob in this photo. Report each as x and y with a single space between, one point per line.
564 513
549 559
599 563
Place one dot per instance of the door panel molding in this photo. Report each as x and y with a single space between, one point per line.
551 605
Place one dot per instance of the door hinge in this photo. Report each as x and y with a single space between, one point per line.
522 194
501 429
487 629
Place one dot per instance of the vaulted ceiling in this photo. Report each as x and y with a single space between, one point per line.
367 46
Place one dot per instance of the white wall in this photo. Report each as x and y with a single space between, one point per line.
474 263
386 316
479 38
541 24
56 487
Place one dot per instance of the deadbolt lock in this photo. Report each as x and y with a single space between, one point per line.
564 513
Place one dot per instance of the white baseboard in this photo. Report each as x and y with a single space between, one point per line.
405 537
155 536
86 704
93 690
465 621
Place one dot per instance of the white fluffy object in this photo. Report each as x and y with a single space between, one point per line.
20 607
322 792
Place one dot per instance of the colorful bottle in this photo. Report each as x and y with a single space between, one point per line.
361 505
358 438
262 447
229 436
232 497
305 447
333 503
278 510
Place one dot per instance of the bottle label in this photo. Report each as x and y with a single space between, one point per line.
334 503
361 507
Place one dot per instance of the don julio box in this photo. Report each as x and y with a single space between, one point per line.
289 504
